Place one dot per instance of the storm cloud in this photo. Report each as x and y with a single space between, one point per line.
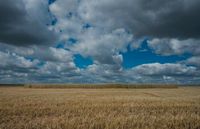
156 18
24 23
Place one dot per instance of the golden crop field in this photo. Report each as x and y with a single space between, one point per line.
114 108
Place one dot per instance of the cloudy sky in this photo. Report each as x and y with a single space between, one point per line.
100 41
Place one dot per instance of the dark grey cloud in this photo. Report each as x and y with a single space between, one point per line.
172 18
156 18
19 27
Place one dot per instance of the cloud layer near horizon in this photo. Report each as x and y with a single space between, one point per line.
40 40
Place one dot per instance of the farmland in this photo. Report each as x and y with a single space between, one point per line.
99 108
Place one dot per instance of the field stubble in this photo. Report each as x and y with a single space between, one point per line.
27 108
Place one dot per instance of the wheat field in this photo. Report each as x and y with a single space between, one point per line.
80 108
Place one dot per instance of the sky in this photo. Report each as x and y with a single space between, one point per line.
100 41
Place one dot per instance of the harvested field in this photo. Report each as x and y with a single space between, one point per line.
113 108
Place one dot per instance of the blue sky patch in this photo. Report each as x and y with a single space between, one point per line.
60 45
72 40
86 26
144 55
54 21
29 58
51 1
81 61
69 15
41 64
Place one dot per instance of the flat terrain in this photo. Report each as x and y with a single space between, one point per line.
29 108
